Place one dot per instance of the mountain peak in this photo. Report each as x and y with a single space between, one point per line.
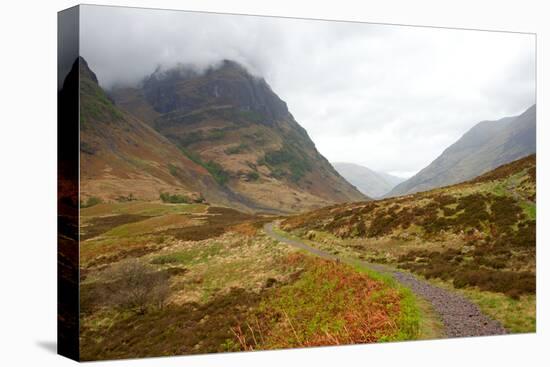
237 130
234 65
85 71
184 89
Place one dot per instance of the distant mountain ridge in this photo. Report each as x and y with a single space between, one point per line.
369 182
484 147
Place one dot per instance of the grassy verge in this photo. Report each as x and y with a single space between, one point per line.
516 315
330 303
417 319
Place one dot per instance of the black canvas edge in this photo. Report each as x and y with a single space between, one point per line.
68 191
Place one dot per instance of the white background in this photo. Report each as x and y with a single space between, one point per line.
28 183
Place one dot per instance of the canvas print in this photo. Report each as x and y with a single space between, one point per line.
243 183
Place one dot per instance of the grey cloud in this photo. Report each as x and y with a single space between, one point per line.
389 97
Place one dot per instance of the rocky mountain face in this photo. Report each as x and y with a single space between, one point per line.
224 128
184 90
371 183
484 147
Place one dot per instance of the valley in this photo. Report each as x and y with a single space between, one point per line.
210 222
371 183
163 279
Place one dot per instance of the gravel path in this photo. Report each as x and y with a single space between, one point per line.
460 317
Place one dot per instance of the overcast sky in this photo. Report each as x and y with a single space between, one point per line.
391 98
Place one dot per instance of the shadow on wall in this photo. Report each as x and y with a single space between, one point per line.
48 345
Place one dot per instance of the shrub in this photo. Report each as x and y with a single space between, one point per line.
510 283
252 176
445 199
136 287
236 149
173 169
505 212
287 156
127 198
175 198
381 224
194 157
217 171
298 170
277 157
91 201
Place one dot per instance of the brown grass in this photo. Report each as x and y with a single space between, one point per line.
217 221
331 304
187 329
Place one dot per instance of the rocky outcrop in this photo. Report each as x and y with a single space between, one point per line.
186 90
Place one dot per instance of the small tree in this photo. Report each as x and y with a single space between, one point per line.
135 286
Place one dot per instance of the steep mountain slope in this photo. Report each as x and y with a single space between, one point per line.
371 183
121 158
235 126
486 146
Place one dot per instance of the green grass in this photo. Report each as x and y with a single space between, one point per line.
499 189
214 168
95 105
141 208
431 326
414 321
151 225
516 315
530 210
217 171
289 157
190 256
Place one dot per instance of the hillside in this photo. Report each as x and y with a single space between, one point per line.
478 236
393 180
371 183
122 159
484 147
235 126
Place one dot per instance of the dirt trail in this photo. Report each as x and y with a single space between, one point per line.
460 317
